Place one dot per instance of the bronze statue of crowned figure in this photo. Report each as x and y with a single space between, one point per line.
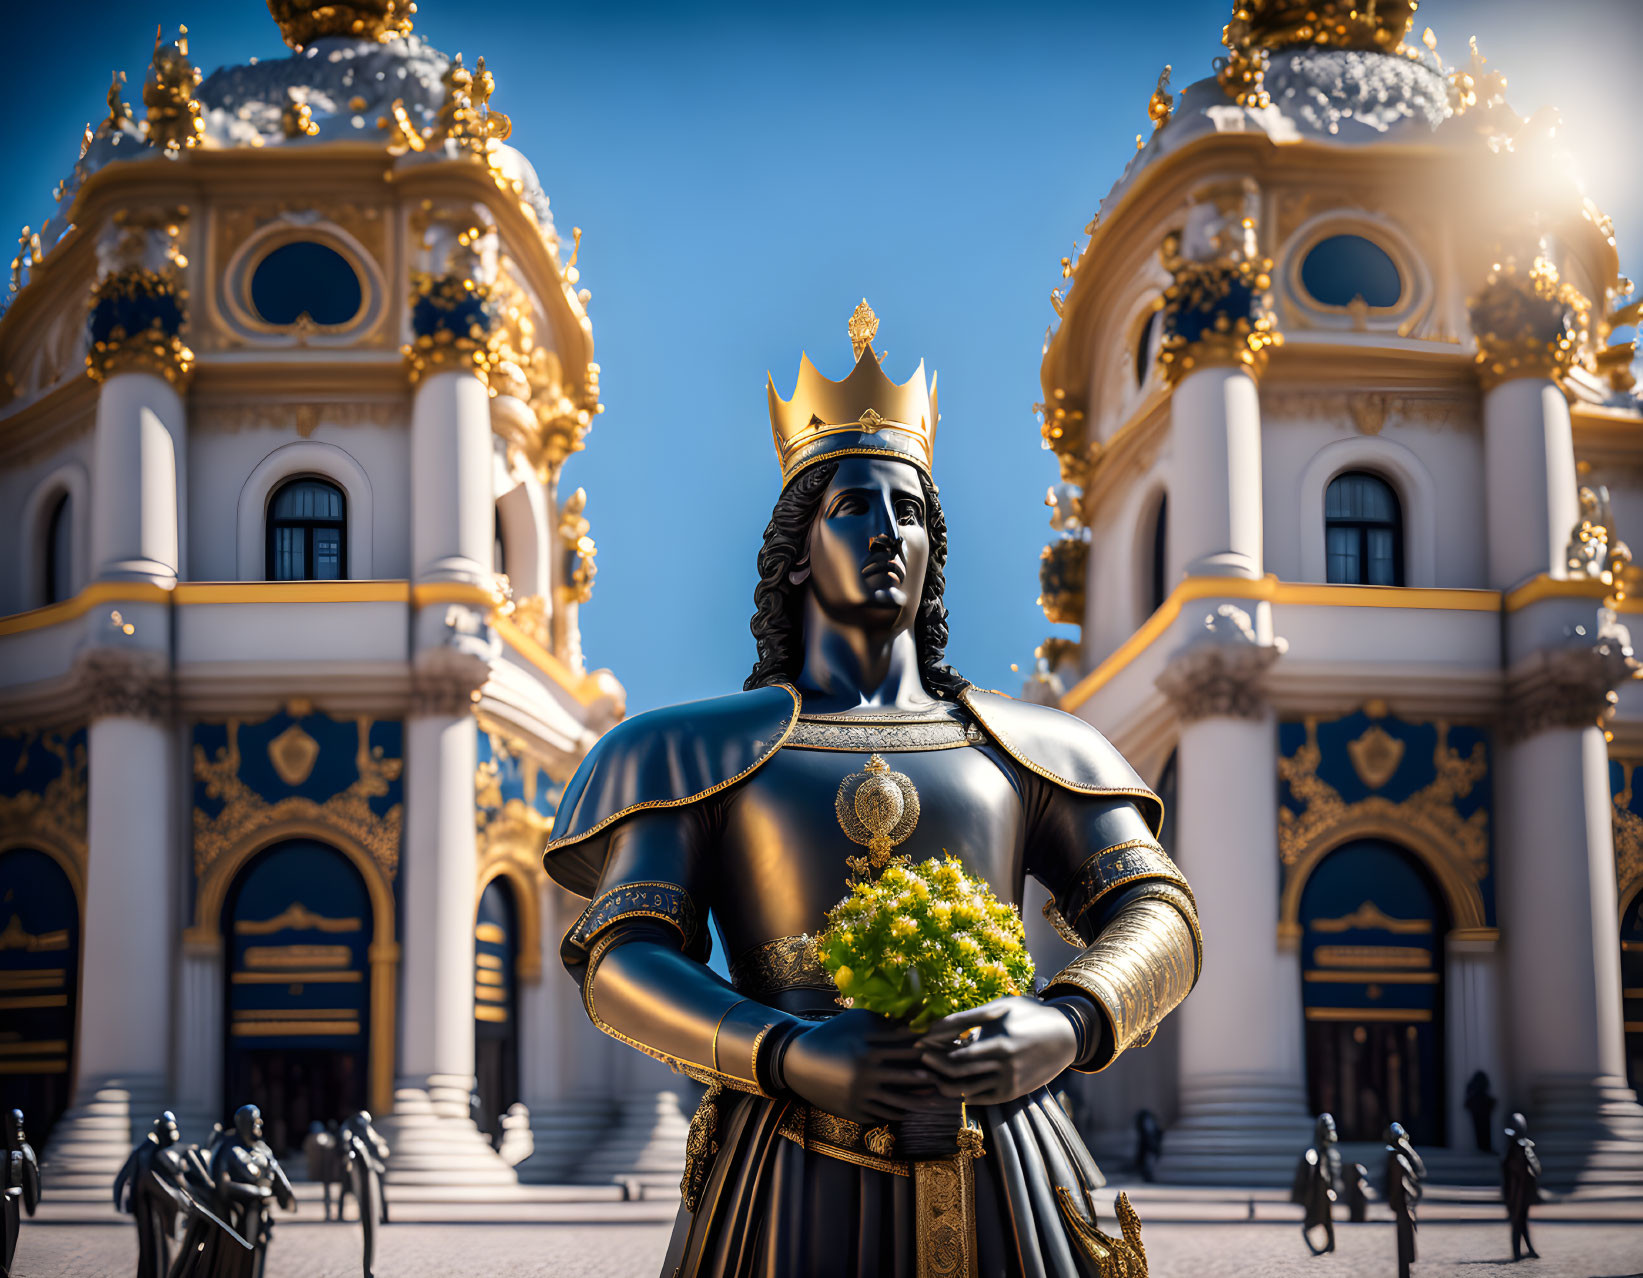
886 1112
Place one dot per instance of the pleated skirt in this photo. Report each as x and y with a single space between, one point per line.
773 1209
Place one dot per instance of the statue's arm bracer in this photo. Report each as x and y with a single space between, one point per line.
639 951
1129 908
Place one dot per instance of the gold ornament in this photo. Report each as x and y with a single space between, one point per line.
878 809
302 22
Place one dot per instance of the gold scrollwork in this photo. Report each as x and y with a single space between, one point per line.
245 812
1628 840
53 818
1427 823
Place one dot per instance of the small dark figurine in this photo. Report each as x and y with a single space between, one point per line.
19 1188
326 1164
1481 1106
1520 1184
1149 1144
248 1179
149 1189
1404 1171
366 1154
209 1238
1316 1177
1357 1193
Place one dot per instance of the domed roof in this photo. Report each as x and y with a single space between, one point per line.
1345 97
350 86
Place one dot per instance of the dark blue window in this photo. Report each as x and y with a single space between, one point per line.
1363 531
307 527
1158 585
305 278
1344 267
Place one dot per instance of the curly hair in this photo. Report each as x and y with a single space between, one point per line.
778 604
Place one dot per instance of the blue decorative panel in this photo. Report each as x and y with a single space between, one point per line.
299 765
511 790
43 787
1423 785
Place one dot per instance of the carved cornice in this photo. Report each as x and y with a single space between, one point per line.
125 684
1222 674
447 681
1570 687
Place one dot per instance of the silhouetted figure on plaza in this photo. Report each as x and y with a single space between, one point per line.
1480 1104
19 1188
249 1181
366 1155
323 1149
1316 1177
1402 1190
149 1189
1520 1184
1149 1145
1357 1193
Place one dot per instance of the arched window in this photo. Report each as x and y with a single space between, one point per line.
1363 531
1146 347
499 545
1158 580
306 278
59 574
307 532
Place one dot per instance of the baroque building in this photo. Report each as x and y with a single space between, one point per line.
1346 441
290 667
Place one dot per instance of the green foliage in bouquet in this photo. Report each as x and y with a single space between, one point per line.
923 941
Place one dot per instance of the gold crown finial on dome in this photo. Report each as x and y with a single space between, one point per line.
302 22
1325 24
866 414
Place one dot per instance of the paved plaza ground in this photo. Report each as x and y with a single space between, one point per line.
1189 1234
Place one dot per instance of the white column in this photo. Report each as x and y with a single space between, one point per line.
124 1037
139 464
1529 468
565 1064
1243 1095
1473 1038
1561 941
433 1136
1215 475
451 501
199 1036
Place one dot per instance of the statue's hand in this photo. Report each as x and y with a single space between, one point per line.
1021 1046
858 1066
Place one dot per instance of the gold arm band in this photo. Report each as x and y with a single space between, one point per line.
690 1069
1138 970
720 1026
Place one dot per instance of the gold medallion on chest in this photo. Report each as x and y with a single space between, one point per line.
877 808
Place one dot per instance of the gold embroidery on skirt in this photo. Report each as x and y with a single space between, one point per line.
1124 1257
701 1147
944 1194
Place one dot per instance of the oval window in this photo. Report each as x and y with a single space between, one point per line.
1345 267
305 278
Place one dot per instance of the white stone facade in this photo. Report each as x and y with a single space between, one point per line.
1291 704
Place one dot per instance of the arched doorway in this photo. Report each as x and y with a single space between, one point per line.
496 1005
39 986
297 920
1631 980
1372 924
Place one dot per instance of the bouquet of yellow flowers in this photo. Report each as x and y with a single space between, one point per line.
923 941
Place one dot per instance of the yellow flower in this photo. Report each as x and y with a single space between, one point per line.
902 927
843 976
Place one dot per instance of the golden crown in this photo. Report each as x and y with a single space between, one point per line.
1331 24
304 21
866 414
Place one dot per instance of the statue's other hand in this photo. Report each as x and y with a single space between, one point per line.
1021 1045
859 1066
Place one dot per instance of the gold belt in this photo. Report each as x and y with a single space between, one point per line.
836 1137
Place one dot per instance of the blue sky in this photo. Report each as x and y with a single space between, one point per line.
744 174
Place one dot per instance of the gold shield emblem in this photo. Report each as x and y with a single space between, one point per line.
879 809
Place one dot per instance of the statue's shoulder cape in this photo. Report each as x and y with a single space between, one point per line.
675 756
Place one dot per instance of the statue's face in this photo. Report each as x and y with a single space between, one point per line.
248 1123
869 546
